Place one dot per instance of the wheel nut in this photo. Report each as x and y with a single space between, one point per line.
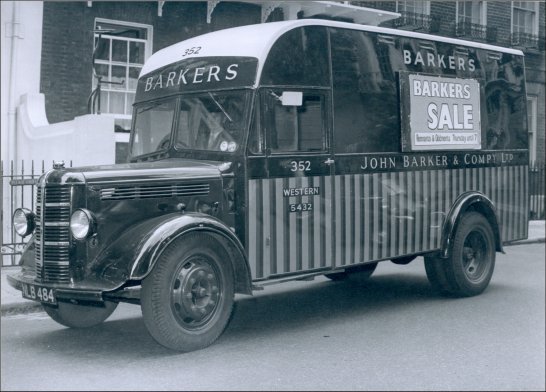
209 276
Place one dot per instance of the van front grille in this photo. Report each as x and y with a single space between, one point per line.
52 234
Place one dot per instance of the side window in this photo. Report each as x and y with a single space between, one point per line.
299 57
505 120
296 128
366 117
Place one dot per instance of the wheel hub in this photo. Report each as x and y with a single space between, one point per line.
474 255
195 293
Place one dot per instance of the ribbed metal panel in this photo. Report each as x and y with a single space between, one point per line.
154 191
52 234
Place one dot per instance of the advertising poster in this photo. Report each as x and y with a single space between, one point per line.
440 113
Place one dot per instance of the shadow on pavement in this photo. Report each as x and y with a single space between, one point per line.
270 313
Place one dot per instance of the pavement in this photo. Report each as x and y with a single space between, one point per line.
13 303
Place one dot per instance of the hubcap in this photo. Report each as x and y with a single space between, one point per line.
475 255
195 293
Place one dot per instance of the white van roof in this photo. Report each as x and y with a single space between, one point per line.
256 41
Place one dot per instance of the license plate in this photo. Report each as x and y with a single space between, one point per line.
39 293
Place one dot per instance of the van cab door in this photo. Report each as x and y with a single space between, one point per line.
290 210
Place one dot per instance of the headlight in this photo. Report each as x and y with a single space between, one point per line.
82 224
23 221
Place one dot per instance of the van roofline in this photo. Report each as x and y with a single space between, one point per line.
256 41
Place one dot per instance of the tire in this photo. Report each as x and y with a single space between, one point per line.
468 271
187 299
80 316
359 274
403 260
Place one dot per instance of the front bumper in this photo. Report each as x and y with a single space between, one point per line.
84 292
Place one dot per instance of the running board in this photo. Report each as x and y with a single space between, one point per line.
307 277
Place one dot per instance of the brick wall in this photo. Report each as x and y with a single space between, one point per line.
443 13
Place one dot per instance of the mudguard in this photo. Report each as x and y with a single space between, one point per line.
135 253
470 201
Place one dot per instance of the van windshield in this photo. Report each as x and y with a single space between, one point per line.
210 121
152 127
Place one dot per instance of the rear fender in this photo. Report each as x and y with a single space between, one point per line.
470 201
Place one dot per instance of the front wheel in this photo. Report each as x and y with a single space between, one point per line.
469 269
80 316
187 299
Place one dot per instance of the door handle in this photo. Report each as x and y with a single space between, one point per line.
329 161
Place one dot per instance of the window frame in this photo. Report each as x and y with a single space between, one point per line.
266 114
535 11
148 49
482 20
402 4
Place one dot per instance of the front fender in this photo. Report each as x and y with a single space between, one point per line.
137 250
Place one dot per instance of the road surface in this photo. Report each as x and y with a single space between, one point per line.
394 333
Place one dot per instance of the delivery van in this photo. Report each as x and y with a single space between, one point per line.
280 151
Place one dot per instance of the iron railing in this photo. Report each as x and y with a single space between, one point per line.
527 41
17 189
416 21
537 185
471 30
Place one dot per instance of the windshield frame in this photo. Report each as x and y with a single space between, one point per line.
172 149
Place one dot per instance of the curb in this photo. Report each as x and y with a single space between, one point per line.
525 242
20 308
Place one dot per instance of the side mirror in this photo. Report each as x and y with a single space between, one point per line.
292 98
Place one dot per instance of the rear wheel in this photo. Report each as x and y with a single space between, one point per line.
80 316
187 299
469 269
358 274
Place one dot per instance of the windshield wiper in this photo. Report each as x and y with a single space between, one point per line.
221 107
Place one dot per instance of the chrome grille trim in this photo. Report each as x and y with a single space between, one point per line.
52 234
57 224
154 191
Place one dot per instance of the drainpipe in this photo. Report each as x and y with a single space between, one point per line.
12 97
15 31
